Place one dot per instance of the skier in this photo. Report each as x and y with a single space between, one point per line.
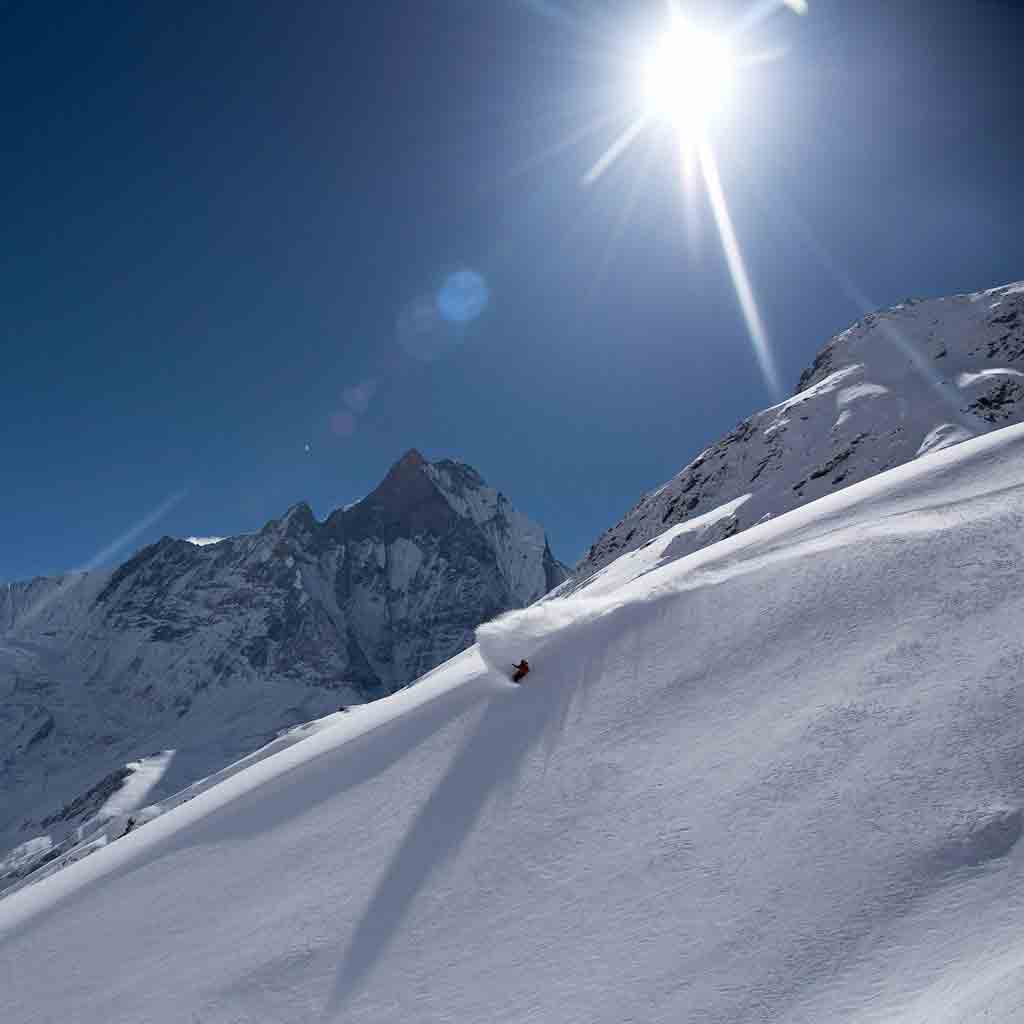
520 670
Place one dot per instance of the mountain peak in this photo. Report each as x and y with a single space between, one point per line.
403 504
300 510
298 518
412 459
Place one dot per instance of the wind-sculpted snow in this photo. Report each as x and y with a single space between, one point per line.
533 632
776 781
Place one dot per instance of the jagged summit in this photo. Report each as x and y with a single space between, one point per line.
906 380
406 503
412 459
297 520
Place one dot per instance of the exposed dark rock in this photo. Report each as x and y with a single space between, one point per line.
998 403
406 504
837 459
818 370
42 732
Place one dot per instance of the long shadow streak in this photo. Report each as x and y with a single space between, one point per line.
513 723
510 726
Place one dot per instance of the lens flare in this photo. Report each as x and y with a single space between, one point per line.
463 296
438 321
737 268
103 556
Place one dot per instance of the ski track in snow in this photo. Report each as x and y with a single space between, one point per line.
778 779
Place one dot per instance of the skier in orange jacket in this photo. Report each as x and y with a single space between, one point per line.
520 670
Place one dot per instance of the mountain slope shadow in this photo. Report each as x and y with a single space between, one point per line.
513 723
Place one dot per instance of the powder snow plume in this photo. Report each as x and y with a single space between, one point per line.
539 631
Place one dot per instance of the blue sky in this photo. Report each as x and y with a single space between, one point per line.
226 229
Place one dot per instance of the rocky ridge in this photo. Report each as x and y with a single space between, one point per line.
907 380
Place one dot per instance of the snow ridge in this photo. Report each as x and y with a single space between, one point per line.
897 384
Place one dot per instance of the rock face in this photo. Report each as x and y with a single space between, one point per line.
897 384
211 650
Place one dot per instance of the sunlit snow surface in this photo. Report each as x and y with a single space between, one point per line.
779 779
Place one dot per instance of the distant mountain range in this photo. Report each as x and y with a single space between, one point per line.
211 650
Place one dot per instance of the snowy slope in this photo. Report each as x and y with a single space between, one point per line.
780 779
907 380
209 651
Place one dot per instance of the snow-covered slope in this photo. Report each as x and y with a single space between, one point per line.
780 779
209 651
908 380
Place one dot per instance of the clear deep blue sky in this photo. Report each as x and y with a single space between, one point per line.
224 229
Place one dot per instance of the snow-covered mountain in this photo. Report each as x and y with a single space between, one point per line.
776 781
210 650
905 381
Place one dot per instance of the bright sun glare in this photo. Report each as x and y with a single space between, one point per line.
688 77
686 81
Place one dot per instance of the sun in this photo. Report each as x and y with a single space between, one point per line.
686 81
688 78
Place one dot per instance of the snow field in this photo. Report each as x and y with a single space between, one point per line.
779 779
